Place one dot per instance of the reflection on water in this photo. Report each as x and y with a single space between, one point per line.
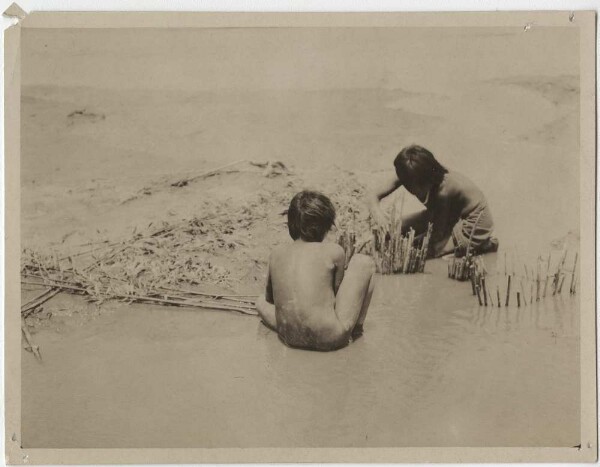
433 369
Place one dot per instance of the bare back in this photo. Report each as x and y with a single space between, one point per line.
304 277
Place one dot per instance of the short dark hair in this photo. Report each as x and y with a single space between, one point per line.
310 216
418 165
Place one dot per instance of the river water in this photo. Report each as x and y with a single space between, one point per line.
432 369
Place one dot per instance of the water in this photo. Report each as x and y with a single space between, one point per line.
432 369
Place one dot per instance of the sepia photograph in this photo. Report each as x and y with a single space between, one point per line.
337 232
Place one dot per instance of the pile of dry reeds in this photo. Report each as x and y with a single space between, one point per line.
98 285
512 288
165 265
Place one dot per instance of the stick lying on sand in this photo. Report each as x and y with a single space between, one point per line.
233 298
30 346
31 305
185 181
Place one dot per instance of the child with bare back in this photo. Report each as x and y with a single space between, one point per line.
310 300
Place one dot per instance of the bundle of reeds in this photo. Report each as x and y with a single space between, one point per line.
461 269
395 253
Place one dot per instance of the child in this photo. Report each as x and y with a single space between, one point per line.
456 207
309 300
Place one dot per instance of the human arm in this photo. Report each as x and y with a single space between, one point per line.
388 186
444 247
265 306
444 217
339 263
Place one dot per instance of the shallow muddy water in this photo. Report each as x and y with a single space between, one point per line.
432 369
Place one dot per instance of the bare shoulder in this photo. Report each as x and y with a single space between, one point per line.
278 252
456 183
334 250
279 256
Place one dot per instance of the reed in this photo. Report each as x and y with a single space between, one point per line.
572 286
479 295
485 301
531 295
33 305
30 346
574 289
347 240
547 274
558 275
523 293
562 280
472 277
490 297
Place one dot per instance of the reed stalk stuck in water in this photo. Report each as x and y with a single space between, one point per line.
573 273
485 300
479 295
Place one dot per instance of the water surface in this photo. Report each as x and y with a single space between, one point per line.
432 369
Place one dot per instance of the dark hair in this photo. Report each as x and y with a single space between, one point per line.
310 216
417 165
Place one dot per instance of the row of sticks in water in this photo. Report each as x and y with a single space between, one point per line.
473 269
